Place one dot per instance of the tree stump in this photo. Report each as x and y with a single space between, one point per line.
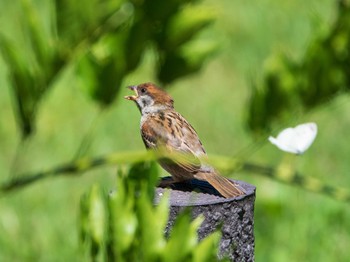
234 215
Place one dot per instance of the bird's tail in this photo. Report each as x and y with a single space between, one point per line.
226 188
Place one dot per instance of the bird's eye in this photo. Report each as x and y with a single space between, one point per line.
143 90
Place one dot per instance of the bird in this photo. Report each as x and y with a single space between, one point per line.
163 127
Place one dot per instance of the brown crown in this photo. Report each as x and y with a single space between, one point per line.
159 95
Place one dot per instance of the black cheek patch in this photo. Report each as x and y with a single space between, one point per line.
144 102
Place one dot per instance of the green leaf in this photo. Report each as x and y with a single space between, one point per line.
183 238
97 215
186 60
123 220
197 51
103 68
144 177
186 24
152 238
93 221
206 250
134 230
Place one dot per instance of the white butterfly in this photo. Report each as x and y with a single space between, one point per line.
296 140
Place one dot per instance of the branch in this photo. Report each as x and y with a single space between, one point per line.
226 164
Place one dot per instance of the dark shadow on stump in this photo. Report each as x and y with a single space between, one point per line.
234 215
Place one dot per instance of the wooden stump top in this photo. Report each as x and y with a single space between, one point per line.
199 193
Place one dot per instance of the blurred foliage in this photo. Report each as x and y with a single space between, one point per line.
127 226
41 218
105 41
285 172
288 86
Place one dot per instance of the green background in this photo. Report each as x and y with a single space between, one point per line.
39 223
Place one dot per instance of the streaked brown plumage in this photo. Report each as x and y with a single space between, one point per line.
162 127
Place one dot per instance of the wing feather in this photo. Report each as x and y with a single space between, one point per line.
171 131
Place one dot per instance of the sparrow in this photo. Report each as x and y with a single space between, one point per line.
162 127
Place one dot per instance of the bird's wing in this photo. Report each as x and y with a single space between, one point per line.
172 132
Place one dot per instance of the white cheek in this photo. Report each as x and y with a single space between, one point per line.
146 101
145 104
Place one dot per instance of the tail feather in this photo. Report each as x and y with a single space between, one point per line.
226 188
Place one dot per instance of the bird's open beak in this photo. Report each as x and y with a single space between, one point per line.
133 98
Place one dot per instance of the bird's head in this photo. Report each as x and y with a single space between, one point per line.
149 97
